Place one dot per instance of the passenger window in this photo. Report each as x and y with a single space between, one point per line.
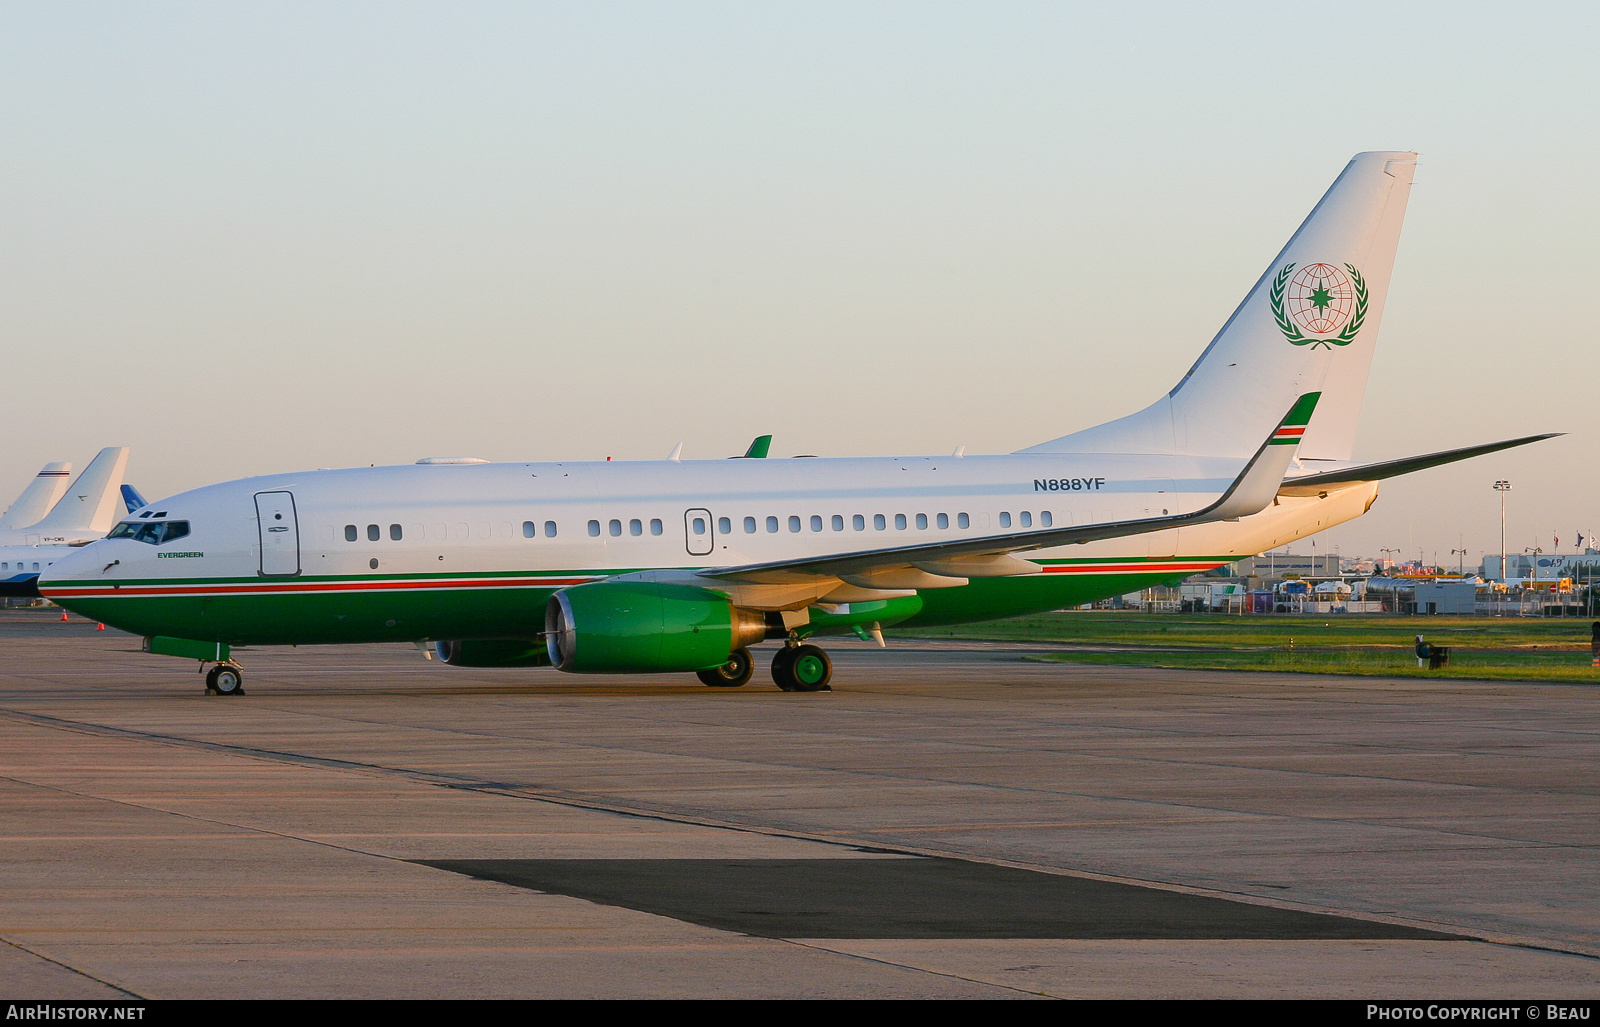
655 525
635 527
594 529
1027 519
963 521
858 522
1044 518
528 529
794 524
394 532
943 520
549 529
724 525
922 522
1005 519
349 532
816 522
750 525
899 522
372 533
616 527
772 524
878 522
838 522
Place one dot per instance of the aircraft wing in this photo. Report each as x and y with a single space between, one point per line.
1315 484
988 556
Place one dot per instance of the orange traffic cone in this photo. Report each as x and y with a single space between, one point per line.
101 628
63 615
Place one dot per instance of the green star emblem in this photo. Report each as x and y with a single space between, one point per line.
1321 300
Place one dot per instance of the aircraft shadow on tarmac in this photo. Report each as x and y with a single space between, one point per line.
912 897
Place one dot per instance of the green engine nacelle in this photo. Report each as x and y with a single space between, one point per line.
623 627
494 652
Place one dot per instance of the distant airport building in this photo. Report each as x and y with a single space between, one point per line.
1578 566
1458 597
1279 565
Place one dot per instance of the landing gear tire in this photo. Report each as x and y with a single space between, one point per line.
225 679
738 670
802 668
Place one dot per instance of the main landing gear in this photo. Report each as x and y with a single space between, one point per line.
802 668
732 674
225 679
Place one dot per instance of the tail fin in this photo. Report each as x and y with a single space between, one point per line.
40 495
1309 324
90 505
132 499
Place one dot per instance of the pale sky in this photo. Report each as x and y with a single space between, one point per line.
246 238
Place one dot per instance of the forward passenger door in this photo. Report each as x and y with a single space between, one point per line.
280 534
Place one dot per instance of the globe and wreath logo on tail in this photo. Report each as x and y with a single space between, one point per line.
1320 305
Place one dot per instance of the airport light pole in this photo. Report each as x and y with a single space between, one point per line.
1461 561
1502 487
1390 573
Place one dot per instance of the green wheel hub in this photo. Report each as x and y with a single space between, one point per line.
808 669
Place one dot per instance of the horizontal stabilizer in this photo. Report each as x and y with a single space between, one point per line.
1313 484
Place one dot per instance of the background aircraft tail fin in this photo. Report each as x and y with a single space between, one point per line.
1309 324
91 502
132 499
37 499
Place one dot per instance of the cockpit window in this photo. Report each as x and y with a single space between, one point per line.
153 532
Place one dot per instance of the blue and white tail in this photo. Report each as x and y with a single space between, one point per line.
1308 325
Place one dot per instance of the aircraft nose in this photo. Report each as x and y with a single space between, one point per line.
75 565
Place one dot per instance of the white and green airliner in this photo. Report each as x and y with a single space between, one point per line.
681 565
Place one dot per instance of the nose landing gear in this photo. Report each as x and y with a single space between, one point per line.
802 668
225 679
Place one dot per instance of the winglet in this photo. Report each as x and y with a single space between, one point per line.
1258 484
758 449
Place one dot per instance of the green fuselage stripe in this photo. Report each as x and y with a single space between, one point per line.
324 610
